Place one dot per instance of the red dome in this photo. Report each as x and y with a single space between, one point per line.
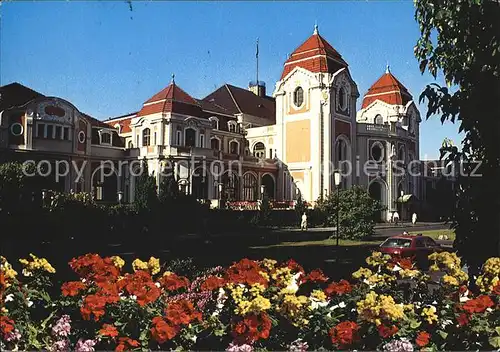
389 90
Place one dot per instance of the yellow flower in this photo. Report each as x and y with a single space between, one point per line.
450 280
138 264
283 276
154 265
257 289
318 295
9 273
377 258
362 273
375 308
117 261
294 308
408 273
36 264
260 304
4 310
429 314
269 264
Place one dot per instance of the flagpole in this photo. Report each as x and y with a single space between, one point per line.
257 57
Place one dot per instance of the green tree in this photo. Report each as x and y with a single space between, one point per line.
146 197
357 211
460 39
16 186
169 190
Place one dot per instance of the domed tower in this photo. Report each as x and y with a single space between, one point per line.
388 141
315 117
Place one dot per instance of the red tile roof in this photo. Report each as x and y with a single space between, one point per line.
387 89
171 99
15 94
315 55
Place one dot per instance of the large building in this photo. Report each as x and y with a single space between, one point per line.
235 144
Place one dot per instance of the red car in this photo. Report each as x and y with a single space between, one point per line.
417 247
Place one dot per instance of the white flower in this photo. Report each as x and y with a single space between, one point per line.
133 297
157 284
9 297
489 310
194 338
463 299
446 322
396 268
293 287
434 302
342 305
29 303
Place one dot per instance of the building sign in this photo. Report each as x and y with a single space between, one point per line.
53 111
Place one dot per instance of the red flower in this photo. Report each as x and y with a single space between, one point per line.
125 343
163 331
478 305
294 266
463 319
212 283
423 338
142 286
385 331
6 325
93 305
252 328
108 330
93 267
72 288
344 334
462 289
339 288
173 282
316 276
182 312
496 289
247 272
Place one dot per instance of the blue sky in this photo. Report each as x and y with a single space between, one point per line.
108 58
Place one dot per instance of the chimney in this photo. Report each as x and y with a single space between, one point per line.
257 88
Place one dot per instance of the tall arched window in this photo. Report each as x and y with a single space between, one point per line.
146 137
215 144
249 187
379 120
190 137
259 150
234 147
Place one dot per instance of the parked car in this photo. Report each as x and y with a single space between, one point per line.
416 247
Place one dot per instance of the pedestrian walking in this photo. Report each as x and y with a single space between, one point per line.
414 219
303 223
395 218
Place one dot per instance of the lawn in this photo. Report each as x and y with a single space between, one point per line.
436 233
322 243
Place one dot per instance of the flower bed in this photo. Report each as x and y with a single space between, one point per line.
252 305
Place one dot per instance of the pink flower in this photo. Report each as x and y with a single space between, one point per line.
239 348
62 327
13 336
85 346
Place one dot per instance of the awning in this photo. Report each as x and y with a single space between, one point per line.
405 198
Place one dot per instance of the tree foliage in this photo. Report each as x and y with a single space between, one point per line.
357 211
16 185
146 197
460 39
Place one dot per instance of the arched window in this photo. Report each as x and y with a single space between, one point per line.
230 187
146 137
249 187
298 97
215 144
232 126
130 144
234 147
215 122
259 150
379 120
377 152
342 99
190 137
401 154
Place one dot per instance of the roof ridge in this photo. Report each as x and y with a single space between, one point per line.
232 97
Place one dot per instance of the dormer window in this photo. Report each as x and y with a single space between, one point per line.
146 137
215 122
379 120
298 97
105 137
231 126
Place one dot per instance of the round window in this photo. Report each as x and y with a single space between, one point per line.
298 97
16 129
377 152
81 137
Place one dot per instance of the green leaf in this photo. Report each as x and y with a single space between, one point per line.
415 324
494 341
443 334
497 329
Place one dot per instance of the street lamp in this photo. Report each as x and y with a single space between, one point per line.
262 190
402 193
120 197
337 178
220 193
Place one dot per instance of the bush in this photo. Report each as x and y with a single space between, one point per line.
357 212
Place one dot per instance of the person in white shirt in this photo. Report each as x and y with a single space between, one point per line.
414 218
395 217
303 224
